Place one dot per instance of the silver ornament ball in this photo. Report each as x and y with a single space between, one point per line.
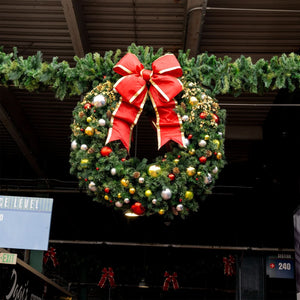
102 122
208 179
166 194
83 147
92 186
118 204
202 143
184 118
113 171
215 170
126 200
74 145
179 207
99 100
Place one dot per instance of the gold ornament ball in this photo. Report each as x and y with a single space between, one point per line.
132 190
219 155
89 119
161 211
193 101
176 160
84 162
148 193
106 197
89 131
154 170
198 173
190 171
189 195
125 182
119 195
192 152
206 137
217 143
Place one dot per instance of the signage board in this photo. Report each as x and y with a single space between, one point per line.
8 258
19 283
25 222
280 266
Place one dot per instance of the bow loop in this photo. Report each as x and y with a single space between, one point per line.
128 64
167 65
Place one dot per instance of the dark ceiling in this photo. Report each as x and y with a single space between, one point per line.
254 199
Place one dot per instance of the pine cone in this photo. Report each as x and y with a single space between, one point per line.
176 170
91 150
136 174
108 114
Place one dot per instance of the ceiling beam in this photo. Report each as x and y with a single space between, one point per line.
195 17
74 18
7 100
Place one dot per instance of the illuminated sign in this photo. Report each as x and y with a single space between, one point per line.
280 266
25 222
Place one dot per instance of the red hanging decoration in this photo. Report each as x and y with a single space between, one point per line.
107 274
170 279
51 253
163 87
137 208
229 265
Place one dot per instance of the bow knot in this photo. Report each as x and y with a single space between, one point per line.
146 74
133 87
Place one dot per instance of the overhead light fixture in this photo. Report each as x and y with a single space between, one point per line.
130 214
143 284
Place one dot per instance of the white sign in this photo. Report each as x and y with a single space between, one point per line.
25 222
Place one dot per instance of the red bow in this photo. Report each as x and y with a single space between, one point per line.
229 265
52 254
107 274
169 279
163 87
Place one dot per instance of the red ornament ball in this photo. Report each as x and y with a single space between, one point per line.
87 106
137 208
105 151
106 190
202 159
203 115
123 159
216 118
190 136
171 176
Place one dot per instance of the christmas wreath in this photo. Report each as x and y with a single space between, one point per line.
189 125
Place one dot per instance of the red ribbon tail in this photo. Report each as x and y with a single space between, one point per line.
103 278
124 119
111 281
175 282
168 124
166 284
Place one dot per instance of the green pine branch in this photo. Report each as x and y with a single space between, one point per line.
217 75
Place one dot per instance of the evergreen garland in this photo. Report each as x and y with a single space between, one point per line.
217 75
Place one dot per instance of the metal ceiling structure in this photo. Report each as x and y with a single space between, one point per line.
35 127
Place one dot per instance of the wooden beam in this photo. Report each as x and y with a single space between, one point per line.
16 133
73 15
195 16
